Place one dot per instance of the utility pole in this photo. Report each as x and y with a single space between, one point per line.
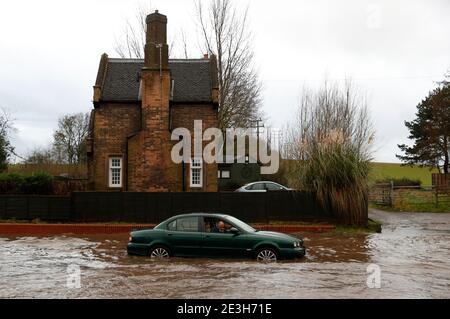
258 126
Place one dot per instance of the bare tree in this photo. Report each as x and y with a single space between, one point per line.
70 138
225 33
41 155
131 43
184 44
6 149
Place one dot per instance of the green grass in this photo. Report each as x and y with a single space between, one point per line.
394 170
373 226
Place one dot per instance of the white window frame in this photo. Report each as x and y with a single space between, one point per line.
196 164
222 175
110 169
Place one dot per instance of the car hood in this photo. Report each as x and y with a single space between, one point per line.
273 234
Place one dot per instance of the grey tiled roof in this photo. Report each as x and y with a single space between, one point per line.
192 80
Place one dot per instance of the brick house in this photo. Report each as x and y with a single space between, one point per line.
137 104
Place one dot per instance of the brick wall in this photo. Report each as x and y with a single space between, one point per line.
184 116
113 122
150 167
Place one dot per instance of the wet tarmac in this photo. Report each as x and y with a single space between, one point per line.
412 253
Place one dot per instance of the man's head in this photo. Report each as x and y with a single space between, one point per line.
221 225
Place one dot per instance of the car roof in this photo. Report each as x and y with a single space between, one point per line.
261 182
202 214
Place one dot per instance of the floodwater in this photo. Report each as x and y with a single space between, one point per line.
412 253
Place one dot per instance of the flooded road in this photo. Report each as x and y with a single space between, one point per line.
412 252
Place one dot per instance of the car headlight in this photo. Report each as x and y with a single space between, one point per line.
298 244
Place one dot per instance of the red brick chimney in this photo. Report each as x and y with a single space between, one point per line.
150 166
156 48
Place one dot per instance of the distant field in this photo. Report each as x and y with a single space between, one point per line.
394 170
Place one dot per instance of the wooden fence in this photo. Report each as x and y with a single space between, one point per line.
386 194
440 180
155 207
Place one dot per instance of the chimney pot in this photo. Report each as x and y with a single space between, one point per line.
206 56
156 48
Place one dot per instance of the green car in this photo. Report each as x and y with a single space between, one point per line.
212 235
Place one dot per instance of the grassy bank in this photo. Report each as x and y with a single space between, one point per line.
373 226
395 170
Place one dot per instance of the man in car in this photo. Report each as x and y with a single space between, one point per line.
219 227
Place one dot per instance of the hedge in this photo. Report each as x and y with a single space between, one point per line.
36 183
401 181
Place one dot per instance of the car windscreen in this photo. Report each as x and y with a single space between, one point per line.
240 224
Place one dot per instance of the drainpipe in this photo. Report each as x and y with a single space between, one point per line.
182 176
183 169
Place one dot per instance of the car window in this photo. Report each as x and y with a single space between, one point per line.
172 225
185 224
258 187
215 225
273 187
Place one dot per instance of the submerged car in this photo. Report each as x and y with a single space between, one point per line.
213 235
263 186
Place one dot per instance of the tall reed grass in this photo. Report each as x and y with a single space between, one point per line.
332 140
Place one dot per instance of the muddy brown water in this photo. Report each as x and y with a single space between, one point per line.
413 253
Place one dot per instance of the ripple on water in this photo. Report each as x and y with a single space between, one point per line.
412 252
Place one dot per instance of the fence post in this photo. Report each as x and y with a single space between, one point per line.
391 194
72 208
436 195
28 208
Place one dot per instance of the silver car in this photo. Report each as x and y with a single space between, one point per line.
262 186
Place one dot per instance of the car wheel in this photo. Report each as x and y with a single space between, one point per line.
159 252
266 254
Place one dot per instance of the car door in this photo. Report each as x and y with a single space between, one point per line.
225 244
184 236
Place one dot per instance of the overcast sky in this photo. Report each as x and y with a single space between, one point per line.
393 50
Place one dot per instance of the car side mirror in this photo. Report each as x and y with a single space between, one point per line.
234 230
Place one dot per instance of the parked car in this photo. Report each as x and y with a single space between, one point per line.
213 235
262 186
